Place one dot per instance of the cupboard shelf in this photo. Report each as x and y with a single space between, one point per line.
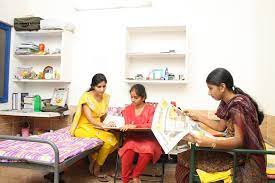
151 50
25 57
41 33
156 81
39 81
157 29
155 55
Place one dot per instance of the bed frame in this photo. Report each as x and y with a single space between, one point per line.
55 167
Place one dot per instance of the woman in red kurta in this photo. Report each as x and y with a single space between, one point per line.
138 115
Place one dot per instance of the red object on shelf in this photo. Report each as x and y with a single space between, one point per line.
41 47
174 103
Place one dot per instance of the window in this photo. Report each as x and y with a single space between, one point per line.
5 35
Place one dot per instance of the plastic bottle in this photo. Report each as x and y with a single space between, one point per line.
37 103
166 74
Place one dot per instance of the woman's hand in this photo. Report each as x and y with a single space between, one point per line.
111 124
193 115
200 140
126 127
203 141
189 138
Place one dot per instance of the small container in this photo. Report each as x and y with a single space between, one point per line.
166 73
171 76
181 77
14 101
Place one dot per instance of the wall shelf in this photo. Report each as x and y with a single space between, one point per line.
39 81
155 55
157 29
32 114
153 49
53 56
156 81
41 33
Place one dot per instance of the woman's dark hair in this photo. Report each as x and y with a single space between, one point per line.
140 90
221 75
97 78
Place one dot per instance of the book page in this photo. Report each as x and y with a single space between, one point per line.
118 120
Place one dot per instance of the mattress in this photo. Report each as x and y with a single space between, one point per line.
67 145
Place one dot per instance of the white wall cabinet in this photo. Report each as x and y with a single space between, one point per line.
52 39
60 62
156 48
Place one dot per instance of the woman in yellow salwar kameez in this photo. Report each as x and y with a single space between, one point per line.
90 113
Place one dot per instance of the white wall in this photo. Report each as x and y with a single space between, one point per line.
222 34
8 10
12 8
265 54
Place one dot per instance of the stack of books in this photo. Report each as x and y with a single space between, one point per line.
28 102
27 48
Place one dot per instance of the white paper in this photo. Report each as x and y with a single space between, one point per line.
118 120
170 126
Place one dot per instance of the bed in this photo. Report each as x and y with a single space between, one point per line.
51 151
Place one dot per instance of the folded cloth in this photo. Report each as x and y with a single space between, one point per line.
270 167
54 24
206 177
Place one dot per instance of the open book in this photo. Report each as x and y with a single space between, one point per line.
114 115
118 120
170 125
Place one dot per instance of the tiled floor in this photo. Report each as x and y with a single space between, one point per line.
78 173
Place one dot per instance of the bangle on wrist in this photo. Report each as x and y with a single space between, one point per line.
213 145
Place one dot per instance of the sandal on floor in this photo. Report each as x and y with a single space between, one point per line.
103 178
